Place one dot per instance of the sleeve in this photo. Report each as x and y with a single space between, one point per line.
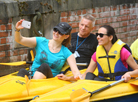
94 57
39 41
95 43
67 52
124 54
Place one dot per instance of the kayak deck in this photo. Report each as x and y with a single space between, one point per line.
63 94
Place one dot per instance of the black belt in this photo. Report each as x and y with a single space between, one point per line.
112 75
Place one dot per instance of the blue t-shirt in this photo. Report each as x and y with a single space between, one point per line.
44 55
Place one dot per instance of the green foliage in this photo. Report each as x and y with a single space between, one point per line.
59 1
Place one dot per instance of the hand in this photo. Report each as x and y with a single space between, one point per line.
18 25
126 76
78 77
62 77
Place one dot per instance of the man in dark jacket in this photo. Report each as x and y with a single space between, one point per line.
84 43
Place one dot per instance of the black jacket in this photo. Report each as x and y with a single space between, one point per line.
87 48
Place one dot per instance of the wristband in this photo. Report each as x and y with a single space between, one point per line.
17 30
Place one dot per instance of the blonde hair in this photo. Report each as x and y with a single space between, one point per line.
91 18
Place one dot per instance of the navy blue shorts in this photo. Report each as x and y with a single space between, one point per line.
44 69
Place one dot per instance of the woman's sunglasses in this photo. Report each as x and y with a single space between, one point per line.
100 34
56 30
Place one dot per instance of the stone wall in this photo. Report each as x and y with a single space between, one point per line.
124 18
8 53
121 14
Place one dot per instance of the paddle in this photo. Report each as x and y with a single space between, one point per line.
32 55
135 82
17 63
27 83
81 95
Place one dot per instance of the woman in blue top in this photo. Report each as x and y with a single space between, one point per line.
50 54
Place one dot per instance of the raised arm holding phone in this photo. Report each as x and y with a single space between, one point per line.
50 54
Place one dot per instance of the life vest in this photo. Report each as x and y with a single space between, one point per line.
134 48
110 65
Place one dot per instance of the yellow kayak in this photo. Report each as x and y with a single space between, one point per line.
123 90
16 88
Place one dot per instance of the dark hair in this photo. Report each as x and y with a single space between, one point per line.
66 42
64 28
110 31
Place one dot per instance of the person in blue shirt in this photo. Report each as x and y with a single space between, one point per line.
50 54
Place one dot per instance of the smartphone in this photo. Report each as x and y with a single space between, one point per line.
26 24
